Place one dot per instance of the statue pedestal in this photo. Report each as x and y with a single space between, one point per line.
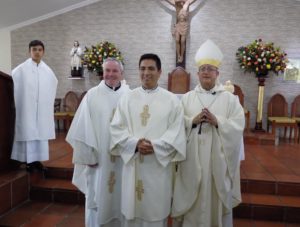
260 102
77 73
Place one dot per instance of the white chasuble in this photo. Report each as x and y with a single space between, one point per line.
155 115
34 92
90 138
207 183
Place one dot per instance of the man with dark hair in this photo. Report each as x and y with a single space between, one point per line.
154 57
34 91
148 133
35 43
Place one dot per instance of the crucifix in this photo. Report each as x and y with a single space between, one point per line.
111 182
145 115
139 189
180 29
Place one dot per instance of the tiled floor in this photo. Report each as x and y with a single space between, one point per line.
265 164
262 162
255 223
42 214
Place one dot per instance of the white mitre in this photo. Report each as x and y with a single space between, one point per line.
209 53
228 86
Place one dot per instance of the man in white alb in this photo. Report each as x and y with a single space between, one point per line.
148 133
98 174
34 92
207 183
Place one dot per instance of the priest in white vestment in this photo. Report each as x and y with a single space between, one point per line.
34 92
207 183
148 133
98 174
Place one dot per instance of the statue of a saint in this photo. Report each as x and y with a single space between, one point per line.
76 66
180 29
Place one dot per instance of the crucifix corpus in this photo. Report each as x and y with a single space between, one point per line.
181 27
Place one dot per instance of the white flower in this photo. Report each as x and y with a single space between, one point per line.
248 58
259 59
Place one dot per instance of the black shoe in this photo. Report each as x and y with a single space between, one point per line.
39 166
29 167
35 167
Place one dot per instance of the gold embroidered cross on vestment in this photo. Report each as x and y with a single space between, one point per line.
111 182
145 115
139 189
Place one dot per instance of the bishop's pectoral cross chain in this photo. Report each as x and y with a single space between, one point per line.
200 126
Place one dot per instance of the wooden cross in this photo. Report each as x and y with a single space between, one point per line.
111 182
145 115
139 189
113 113
180 30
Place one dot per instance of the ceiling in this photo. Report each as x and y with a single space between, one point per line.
17 13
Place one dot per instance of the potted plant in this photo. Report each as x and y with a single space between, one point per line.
94 56
261 58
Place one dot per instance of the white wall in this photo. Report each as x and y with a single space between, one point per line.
140 26
5 51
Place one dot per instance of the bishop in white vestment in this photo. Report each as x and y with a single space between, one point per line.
148 133
98 174
207 183
34 92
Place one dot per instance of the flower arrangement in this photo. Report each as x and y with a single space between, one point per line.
260 58
94 56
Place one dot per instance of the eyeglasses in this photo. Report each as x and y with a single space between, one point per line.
207 69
